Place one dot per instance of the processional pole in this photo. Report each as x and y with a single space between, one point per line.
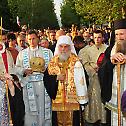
118 67
1 29
120 48
8 103
118 94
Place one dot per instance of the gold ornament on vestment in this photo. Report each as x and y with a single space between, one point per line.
37 64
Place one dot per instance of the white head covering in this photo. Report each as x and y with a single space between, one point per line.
64 40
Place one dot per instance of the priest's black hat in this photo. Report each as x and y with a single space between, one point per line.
120 24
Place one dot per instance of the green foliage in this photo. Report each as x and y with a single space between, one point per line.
44 14
100 11
40 13
68 14
36 13
5 13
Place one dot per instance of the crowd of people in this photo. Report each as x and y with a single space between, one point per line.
63 77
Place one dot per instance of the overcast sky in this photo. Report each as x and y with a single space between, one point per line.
57 9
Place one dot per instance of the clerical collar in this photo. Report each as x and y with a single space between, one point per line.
34 49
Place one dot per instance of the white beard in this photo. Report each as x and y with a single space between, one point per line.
64 56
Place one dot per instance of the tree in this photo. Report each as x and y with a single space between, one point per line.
13 6
36 13
44 14
100 11
5 14
68 14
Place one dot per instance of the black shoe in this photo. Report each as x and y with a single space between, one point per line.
104 124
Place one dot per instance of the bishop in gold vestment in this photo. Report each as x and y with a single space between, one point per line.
72 90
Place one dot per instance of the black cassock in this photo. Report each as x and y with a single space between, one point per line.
105 74
17 106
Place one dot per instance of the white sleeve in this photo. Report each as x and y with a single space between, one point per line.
51 54
19 64
80 83
113 51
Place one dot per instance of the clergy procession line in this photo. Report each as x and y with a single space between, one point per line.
65 77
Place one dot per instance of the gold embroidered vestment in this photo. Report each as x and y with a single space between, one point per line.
66 99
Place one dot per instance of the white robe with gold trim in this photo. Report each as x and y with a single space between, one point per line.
37 115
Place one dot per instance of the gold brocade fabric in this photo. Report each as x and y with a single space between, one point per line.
37 64
65 118
95 109
66 99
